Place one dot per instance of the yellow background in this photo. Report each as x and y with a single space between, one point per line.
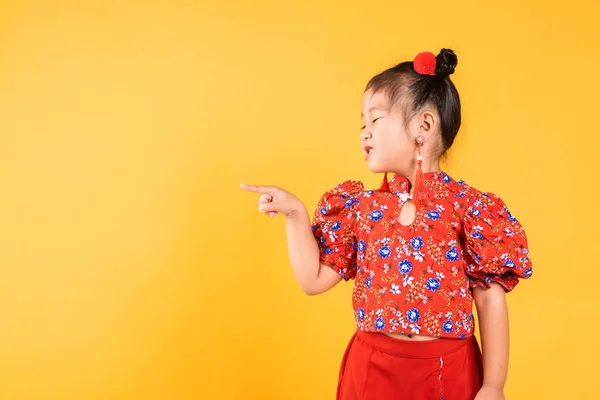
133 267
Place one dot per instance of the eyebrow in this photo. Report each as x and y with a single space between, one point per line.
374 108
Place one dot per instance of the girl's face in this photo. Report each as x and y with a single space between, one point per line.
386 137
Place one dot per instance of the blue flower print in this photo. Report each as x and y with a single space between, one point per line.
460 194
446 178
351 202
368 282
462 335
361 246
323 211
528 272
433 215
376 215
405 266
413 315
379 323
510 264
452 254
433 284
417 242
336 226
477 235
461 182
384 252
327 250
510 216
475 212
361 314
447 326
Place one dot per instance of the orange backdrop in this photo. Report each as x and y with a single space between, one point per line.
133 267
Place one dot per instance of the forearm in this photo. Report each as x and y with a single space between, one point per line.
303 249
493 326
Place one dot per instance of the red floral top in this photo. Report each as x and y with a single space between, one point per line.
418 278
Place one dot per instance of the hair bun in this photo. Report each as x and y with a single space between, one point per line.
446 62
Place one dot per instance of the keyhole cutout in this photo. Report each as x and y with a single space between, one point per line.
407 214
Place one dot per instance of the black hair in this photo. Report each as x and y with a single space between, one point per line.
403 84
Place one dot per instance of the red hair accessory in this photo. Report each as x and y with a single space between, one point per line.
424 63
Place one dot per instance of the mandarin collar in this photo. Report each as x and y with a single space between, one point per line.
399 185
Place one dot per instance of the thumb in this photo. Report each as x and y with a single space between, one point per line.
277 207
270 207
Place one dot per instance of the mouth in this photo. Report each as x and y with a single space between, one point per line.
368 151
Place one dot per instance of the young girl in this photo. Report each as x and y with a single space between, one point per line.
420 249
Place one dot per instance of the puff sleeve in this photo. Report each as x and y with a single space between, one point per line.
496 244
334 227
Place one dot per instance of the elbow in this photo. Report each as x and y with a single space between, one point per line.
324 280
313 287
311 291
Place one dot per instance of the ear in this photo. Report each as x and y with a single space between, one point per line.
428 123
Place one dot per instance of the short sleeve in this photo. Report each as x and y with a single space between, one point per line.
334 227
496 243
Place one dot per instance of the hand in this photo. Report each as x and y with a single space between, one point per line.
274 200
490 393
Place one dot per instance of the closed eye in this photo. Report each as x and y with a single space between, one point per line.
373 121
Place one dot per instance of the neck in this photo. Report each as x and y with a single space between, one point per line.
427 167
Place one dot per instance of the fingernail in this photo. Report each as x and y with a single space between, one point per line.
261 208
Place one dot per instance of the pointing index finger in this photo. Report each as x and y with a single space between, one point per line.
258 189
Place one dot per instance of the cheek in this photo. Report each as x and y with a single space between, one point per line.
406 142
397 144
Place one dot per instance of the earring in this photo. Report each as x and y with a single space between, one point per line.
418 194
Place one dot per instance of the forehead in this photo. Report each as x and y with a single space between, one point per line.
374 100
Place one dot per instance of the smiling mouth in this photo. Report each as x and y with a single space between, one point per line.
368 150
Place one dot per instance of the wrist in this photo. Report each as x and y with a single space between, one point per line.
298 213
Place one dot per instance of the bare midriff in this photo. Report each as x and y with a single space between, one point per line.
416 338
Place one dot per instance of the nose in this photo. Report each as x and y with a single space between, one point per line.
365 135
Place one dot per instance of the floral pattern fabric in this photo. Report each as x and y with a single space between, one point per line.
418 278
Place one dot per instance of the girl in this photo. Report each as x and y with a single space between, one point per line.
420 249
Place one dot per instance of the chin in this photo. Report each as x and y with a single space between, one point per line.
376 168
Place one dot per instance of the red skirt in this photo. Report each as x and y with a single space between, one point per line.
379 367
